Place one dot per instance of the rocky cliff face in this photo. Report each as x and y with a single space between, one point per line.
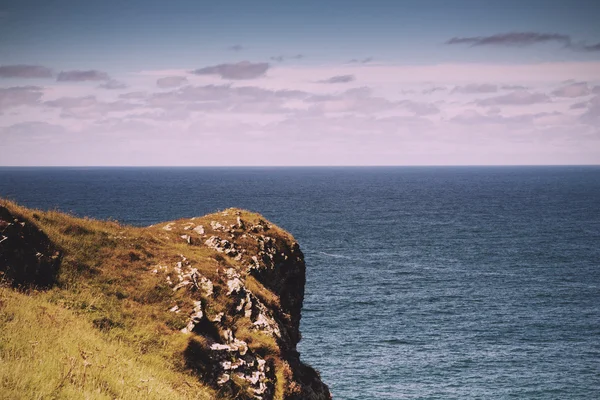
235 281
263 285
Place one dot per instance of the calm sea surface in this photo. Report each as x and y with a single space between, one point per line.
423 283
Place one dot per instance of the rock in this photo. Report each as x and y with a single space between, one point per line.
216 226
223 379
234 286
195 317
218 317
181 285
207 286
245 305
27 256
240 223
219 346
222 246
187 238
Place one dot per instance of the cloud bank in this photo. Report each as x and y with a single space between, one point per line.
523 39
171 81
282 58
82 76
113 85
237 71
313 114
25 71
512 39
339 79
19 96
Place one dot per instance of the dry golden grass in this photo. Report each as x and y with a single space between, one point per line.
49 352
264 294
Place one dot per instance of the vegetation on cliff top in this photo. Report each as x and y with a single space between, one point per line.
105 328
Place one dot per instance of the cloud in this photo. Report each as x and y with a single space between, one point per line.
171 81
524 39
236 47
30 129
339 79
343 130
282 58
25 71
19 96
25 128
291 108
592 115
476 88
133 95
420 109
518 97
591 47
72 102
577 89
228 99
361 60
473 117
113 85
357 100
514 87
175 114
512 39
225 98
81 76
434 89
241 70
493 110
88 107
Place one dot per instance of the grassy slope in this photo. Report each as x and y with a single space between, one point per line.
103 330
48 351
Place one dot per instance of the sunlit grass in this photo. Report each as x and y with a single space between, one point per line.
49 352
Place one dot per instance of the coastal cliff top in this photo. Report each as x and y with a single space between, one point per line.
203 307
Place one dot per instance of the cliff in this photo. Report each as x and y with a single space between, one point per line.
207 307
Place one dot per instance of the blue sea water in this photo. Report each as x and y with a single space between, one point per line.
422 283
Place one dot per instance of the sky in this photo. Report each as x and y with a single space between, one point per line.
330 82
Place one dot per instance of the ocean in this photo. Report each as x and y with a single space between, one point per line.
422 282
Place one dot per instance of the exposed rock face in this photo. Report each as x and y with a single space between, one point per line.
27 257
264 285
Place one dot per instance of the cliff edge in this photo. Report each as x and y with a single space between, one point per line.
217 298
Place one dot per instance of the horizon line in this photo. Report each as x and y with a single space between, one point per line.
300 166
